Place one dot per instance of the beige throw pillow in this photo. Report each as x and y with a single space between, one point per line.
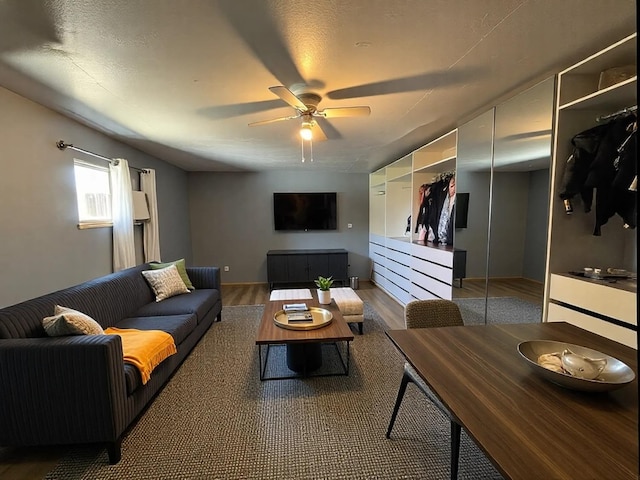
165 282
182 270
67 321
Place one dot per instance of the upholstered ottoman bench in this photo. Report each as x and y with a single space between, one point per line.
291 294
350 304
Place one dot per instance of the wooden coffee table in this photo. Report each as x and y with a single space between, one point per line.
304 347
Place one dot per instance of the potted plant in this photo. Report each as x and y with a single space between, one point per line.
324 292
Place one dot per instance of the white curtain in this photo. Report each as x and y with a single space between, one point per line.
150 235
124 253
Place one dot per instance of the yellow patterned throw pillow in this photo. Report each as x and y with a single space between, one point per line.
165 282
67 321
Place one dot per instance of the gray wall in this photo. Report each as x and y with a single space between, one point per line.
232 220
508 223
535 247
41 248
473 239
518 223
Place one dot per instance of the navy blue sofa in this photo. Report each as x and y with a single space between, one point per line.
77 389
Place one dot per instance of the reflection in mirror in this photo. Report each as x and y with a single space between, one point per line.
473 178
520 202
437 203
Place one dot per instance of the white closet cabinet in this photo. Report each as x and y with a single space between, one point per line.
604 307
401 265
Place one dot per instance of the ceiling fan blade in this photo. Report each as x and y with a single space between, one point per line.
273 120
415 83
329 130
345 112
287 95
263 34
218 112
318 133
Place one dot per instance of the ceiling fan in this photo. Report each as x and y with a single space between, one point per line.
306 106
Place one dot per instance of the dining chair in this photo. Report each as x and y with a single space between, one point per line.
428 314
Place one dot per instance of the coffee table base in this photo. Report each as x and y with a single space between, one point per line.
305 359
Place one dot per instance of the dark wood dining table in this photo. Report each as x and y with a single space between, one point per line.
528 427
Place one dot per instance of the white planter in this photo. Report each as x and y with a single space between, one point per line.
324 297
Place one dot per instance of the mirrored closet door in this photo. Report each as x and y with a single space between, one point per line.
473 177
520 204
503 163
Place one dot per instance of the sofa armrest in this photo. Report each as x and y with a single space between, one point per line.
205 277
62 390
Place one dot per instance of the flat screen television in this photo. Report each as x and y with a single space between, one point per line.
305 211
462 210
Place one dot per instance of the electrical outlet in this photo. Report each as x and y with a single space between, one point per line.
349 225
226 268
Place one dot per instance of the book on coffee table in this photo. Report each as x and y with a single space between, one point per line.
299 317
295 307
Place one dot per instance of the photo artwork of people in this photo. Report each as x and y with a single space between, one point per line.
436 214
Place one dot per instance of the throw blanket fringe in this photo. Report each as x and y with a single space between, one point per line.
145 349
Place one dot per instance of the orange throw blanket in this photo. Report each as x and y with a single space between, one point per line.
145 349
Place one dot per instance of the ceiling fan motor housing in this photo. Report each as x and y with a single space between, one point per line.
306 106
311 100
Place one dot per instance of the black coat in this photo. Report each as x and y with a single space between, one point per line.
426 210
440 190
595 163
609 198
585 147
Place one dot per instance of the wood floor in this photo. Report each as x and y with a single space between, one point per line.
257 294
523 288
35 463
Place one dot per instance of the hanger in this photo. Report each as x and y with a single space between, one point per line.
624 111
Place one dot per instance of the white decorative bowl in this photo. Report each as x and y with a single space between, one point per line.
615 373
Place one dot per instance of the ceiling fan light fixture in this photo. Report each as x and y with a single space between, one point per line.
305 131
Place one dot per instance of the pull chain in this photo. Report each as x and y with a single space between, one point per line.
310 150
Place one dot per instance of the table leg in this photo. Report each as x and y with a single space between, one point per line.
263 367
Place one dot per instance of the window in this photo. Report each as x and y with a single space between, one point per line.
94 194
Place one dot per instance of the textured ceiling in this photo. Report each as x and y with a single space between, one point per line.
181 80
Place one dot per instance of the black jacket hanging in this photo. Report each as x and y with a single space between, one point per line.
627 170
627 162
602 172
585 147
603 158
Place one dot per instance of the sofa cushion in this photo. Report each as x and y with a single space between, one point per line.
144 349
165 282
198 302
67 321
107 300
178 326
182 270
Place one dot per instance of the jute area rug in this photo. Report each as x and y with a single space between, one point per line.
216 420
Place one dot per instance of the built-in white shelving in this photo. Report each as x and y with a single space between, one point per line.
608 309
403 268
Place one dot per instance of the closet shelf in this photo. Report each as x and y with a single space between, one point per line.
614 97
439 164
